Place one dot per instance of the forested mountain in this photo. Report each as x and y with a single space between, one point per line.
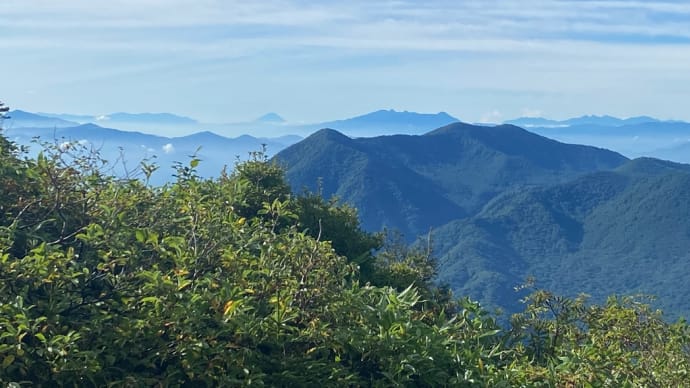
622 231
506 204
413 183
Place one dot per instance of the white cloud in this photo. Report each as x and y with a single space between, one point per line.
492 117
527 112
168 148
170 13
284 20
150 150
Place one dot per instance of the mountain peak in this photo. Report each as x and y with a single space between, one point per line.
203 135
329 134
388 114
465 128
454 128
270 118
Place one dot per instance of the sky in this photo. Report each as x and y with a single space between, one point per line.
310 61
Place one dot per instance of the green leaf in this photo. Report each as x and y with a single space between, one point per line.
8 360
489 333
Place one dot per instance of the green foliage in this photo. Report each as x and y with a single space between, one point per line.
622 343
228 282
400 264
261 182
339 224
3 112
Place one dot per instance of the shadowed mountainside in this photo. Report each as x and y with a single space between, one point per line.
622 231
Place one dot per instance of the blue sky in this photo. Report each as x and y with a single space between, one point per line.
228 61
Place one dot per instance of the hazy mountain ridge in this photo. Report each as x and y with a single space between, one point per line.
633 137
20 119
123 117
678 152
215 151
605 121
389 122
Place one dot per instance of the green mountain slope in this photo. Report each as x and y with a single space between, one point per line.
413 183
623 231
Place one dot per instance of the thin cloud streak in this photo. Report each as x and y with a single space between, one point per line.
467 17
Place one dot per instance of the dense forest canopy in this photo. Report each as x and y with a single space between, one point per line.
239 281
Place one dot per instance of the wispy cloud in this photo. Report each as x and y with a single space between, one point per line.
245 28
488 19
491 117
527 112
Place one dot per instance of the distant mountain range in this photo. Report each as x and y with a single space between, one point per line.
122 117
679 152
21 119
413 183
381 122
215 151
269 125
387 122
633 137
604 121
